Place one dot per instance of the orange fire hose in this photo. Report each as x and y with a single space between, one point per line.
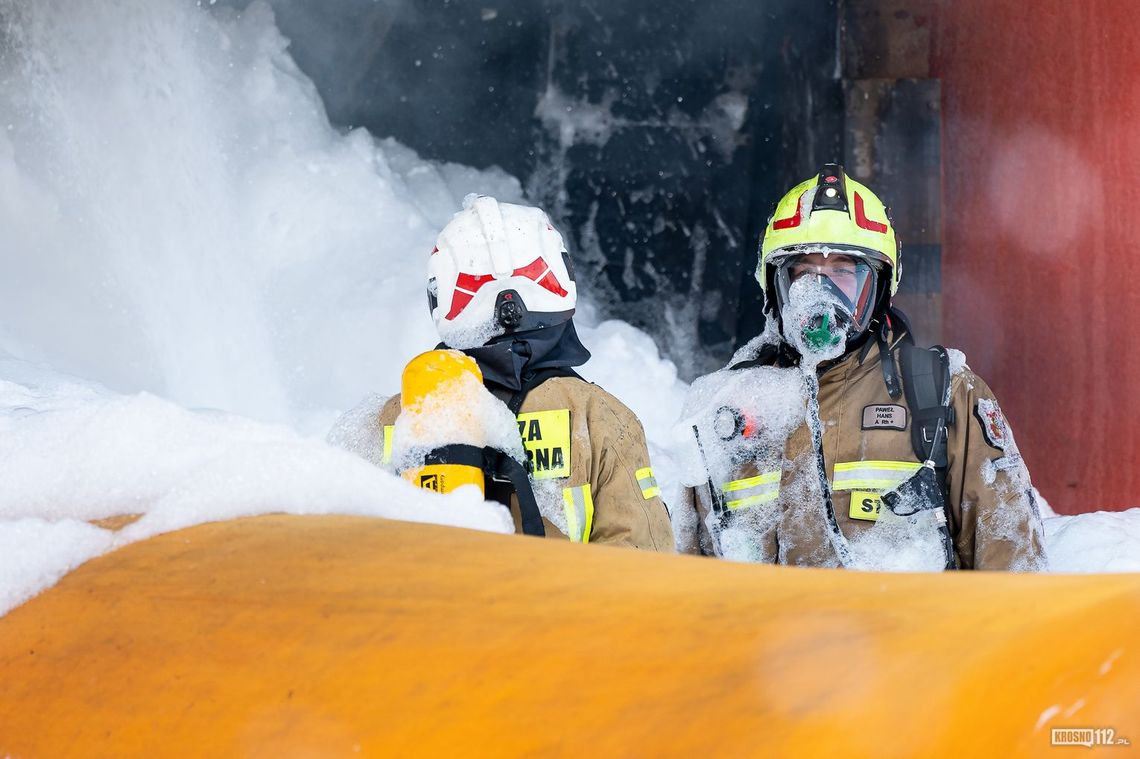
344 636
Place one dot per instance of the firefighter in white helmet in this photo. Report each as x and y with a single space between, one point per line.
501 289
832 440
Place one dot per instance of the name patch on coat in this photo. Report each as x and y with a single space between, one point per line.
889 417
546 438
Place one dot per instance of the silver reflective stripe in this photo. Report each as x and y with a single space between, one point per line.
579 507
751 491
647 482
872 475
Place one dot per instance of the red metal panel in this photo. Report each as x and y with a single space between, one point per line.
1041 188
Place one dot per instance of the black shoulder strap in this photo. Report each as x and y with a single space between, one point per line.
926 377
899 323
502 468
496 466
893 325
887 364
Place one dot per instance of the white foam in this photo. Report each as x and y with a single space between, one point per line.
1100 541
170 181
72 453
35 553
460 411
957 361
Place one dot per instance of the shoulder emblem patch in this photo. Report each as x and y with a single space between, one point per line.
994 428
890 416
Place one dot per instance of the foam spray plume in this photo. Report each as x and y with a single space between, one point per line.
178 215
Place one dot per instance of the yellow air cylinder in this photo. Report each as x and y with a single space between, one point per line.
432 375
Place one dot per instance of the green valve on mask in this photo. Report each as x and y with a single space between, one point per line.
822 337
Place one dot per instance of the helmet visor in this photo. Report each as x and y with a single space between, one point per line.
851 277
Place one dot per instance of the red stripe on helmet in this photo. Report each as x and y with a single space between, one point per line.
472 282
538 271
459 301
466 285
862 220
792 221
550 282
532 271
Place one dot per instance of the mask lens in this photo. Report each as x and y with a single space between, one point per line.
853 279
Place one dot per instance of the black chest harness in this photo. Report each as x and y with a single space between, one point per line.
926 382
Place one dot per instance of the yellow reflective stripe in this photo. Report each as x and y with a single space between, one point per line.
647 482
883 484
753 490
578 504
386 433
752 500
761 479
898 466
872 475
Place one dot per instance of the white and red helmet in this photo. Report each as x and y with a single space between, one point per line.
498 268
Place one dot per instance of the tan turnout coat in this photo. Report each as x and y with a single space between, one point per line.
609 473
992 513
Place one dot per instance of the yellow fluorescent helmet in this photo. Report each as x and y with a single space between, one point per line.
830 210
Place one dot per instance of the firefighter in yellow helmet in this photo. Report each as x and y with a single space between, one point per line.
831 439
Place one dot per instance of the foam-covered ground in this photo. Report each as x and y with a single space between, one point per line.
201 273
